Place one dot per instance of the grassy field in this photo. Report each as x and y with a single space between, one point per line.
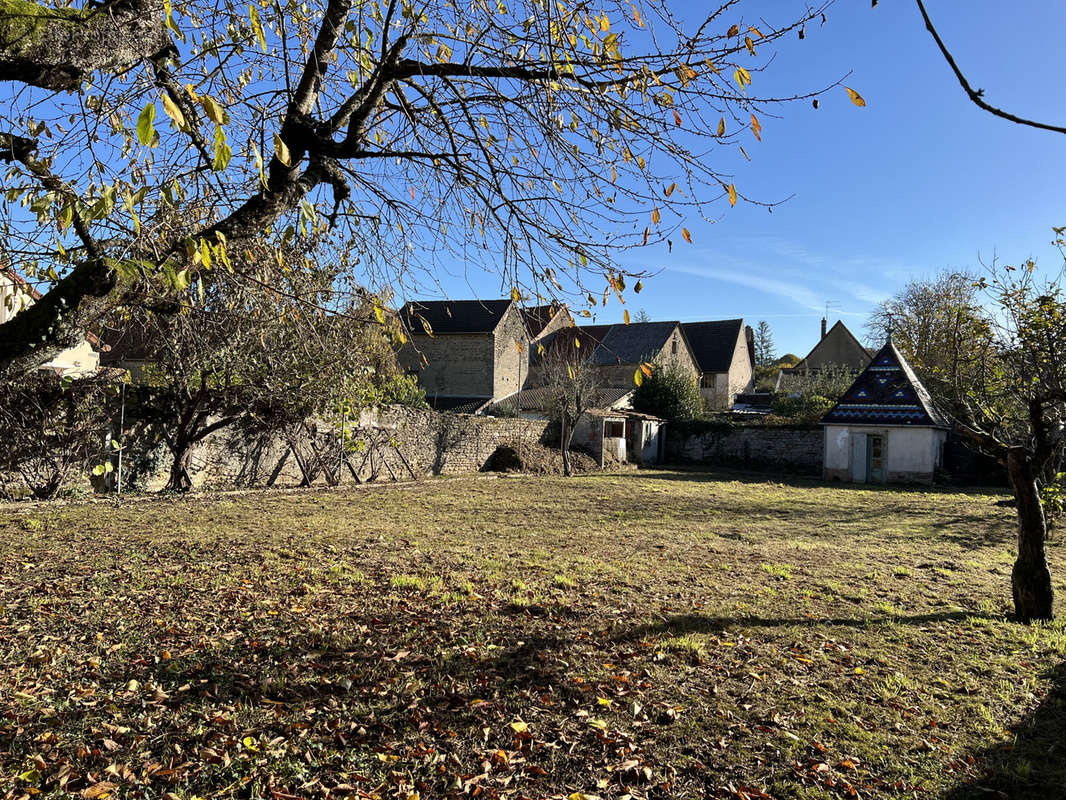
652 634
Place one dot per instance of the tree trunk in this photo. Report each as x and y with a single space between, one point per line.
179 480
566 433
1031 577
58 48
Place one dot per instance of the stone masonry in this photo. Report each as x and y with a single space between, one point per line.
798 450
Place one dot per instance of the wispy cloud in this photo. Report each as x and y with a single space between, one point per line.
796 292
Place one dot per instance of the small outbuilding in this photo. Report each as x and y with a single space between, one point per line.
885 428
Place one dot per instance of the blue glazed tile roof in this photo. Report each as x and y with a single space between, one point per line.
887 392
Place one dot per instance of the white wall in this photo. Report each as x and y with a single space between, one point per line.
911 454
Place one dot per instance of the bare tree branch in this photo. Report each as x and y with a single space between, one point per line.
977 95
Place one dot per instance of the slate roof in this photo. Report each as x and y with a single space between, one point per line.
633 343
453 316
713 343
538 317
887 392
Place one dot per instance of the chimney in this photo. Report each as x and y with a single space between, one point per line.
823 327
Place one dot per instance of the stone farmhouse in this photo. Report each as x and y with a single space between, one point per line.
725 353
467 353
16 294
885 428
837 347
623 348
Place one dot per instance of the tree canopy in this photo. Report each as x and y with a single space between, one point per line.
148 142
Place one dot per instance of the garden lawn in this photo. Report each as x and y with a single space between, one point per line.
647 634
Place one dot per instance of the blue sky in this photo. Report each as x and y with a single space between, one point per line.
917 181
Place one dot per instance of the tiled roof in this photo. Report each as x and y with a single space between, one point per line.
539 398
713 343
839 346
25 284
457 405
887 392
453 316
633 343
36 295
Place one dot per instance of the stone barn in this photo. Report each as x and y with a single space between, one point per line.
885 428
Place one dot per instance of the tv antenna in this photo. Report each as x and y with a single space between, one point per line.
830 304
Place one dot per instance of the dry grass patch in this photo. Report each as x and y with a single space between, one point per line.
651 634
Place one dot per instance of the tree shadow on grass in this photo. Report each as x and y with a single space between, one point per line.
682 624
1032 762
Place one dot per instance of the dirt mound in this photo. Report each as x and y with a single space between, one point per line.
536 459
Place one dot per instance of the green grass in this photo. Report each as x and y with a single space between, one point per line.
655 634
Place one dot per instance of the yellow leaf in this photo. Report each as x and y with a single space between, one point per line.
625 316
732 195
174 112
742 77
655 215
856 98
721 127
214 111
748 43
570 369
646 368
379 313
516 295
677 119
687 235
281 150
518 726
756 128
670 189
638 377
638 287
733 30
756 31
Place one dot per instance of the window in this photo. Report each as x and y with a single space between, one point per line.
673 347
614 430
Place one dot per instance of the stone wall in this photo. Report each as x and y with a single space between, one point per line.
456 364
393 444
511 354
784 449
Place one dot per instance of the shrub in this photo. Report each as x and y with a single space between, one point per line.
671 393
52 428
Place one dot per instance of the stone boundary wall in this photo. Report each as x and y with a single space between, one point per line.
391 444
795 449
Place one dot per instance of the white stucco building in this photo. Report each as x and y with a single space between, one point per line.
885 428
